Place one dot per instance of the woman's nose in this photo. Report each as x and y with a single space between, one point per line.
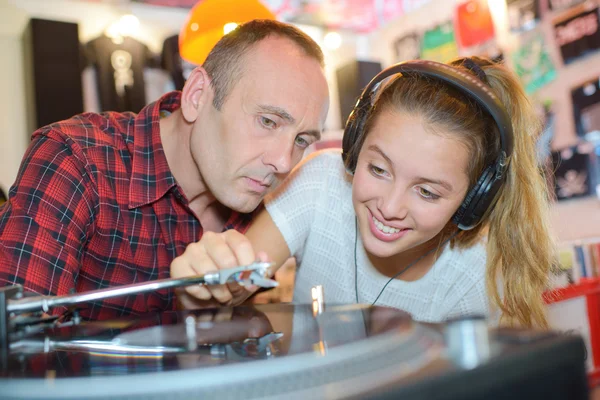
395 204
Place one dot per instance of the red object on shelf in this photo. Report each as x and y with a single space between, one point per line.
577 308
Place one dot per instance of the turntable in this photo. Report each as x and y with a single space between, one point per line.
271 351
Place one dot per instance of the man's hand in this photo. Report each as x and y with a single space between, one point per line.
215 251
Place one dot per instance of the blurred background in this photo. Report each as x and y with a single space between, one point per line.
63 57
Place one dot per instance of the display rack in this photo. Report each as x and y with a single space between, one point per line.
576 309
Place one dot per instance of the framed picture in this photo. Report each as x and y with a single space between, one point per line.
577 33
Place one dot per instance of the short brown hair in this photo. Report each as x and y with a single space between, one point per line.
224 62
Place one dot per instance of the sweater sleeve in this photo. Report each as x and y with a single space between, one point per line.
294 205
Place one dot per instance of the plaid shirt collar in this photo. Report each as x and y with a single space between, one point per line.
151 176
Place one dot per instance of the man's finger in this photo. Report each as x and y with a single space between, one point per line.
196 260
241 293
222 256
241 247
221 293
200 292
187 302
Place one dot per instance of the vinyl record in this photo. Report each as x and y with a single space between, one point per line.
243 352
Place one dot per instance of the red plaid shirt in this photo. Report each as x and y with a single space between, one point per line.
95 205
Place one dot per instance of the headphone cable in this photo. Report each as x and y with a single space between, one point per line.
395 275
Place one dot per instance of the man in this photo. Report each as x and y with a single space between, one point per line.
111 199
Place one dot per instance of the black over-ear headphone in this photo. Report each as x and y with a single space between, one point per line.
482 196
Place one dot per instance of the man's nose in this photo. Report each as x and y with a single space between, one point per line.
279 154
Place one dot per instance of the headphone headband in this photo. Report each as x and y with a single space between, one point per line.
461 80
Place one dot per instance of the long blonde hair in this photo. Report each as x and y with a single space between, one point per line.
520 247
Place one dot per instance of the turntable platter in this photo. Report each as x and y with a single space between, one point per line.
242 352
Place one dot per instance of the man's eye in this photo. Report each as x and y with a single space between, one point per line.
268 123
301 142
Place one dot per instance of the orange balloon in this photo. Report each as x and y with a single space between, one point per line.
205 24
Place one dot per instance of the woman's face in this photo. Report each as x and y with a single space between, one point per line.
408 183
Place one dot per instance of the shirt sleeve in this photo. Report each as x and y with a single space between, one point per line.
46 223
294 206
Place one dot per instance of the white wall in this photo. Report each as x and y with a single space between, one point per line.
13 121
334 59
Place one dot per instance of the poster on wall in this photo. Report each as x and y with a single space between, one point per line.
586 110
439 44
407 47
572 176
557 5
523 15
532 63
544 142
392 9
359 16
474 24
411 5
577 34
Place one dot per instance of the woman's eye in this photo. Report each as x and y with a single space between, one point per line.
377 171
267 122
427 194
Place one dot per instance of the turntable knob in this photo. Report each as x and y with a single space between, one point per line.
318 299
468 341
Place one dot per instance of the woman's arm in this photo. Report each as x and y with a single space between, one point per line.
265 237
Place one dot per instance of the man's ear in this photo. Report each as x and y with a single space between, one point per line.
197 93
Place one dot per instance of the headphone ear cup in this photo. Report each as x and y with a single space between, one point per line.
466 216
352 132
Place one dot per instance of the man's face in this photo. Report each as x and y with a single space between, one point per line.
274 112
